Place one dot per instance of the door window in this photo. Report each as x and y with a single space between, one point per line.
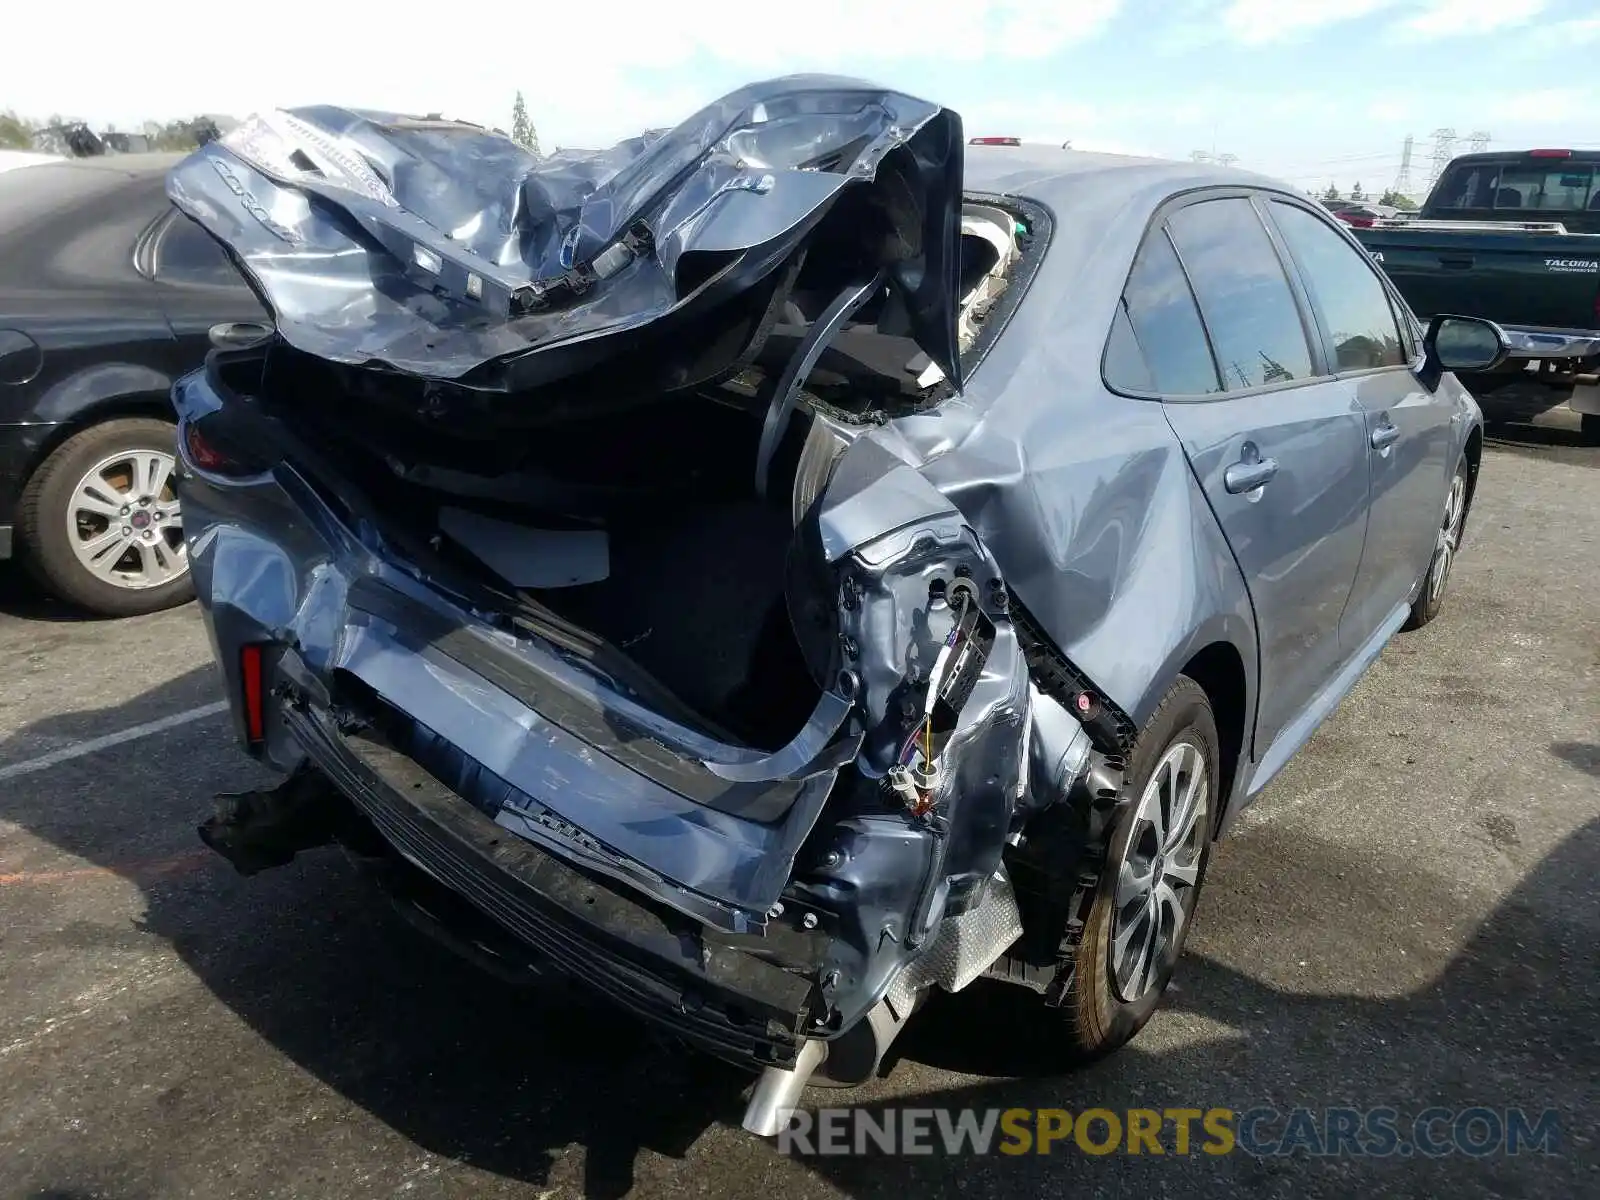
1347 292
1245 298
1162 342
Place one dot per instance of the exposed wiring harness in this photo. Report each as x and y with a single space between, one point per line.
917 772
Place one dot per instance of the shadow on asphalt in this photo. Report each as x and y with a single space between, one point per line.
21 597
473 1069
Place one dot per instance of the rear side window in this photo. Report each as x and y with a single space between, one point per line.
188 255
1244 295
1346 291
1162 345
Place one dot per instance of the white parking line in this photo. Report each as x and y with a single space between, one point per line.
94 745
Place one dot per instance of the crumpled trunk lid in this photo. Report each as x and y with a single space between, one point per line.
444 251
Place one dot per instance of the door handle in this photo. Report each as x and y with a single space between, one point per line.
1248 475
233 334
1385 435
1456 262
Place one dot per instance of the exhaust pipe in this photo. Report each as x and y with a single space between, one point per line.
851 1059
777 1092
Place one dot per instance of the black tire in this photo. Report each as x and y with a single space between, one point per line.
42 520
1589 428
1100 1019
1430 598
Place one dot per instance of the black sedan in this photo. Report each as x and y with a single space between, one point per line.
106 296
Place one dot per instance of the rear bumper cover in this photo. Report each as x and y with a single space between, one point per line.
667 971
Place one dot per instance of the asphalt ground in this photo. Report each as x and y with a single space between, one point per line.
1409 917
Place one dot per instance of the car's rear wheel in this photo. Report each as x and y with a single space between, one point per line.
1430 597
100 521
1154 869
1589 426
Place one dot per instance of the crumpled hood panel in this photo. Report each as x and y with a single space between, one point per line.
448 252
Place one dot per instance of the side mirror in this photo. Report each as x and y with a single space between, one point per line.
1462 344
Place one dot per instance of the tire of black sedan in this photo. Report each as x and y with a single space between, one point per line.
1589 429
1154 870
1430 597
100 523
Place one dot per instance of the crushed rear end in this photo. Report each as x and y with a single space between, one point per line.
560 549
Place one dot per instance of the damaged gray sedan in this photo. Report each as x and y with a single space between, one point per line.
794 562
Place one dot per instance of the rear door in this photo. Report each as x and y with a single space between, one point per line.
1277 443
1410 430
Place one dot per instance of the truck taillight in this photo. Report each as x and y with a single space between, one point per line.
994 141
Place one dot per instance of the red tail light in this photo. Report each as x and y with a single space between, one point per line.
1549 153
215 453
202 453
994 141
255 711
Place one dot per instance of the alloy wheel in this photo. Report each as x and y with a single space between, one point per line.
124 522
1455 509
1158 874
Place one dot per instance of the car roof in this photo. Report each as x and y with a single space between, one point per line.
1046 173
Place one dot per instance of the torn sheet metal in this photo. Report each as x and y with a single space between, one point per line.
446 251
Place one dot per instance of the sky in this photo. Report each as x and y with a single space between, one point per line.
1313 91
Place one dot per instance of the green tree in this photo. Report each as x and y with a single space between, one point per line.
1331 194
1356 193
16 133
1395 199
522 131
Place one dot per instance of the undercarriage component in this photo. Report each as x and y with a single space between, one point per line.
965 946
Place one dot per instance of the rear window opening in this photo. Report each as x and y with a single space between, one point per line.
699 584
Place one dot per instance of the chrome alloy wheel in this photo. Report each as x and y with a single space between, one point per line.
1156 879
124 522
1444 557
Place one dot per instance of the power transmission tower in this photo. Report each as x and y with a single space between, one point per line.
1402 181
1444 149
1480 141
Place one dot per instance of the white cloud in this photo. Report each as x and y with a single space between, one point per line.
584 82
1463 18
1553 36
1258 22
1263 22
1545 105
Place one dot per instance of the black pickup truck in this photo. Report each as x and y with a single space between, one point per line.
1512 236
